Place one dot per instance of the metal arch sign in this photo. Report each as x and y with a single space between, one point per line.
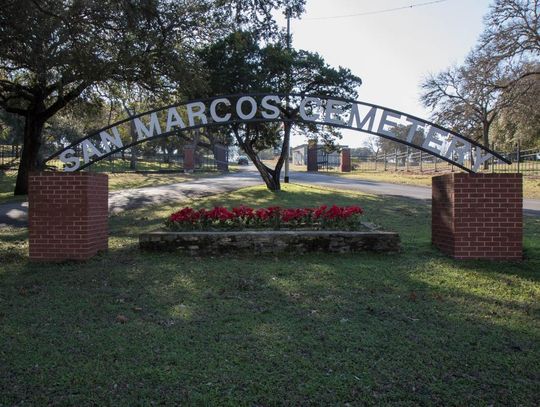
256 108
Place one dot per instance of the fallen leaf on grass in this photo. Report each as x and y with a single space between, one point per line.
122 319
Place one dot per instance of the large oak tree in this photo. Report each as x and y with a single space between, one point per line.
55 51
240 64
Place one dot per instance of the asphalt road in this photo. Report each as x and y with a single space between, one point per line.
530 206
370 187
15 214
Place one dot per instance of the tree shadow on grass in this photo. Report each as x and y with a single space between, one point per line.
402 215
315 329
13 245
319 329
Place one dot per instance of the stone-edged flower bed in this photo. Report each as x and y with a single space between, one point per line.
270 230
269 242
273 217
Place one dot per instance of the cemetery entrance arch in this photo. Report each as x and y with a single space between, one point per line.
473 215
295 108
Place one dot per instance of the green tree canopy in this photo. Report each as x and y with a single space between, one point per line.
53 52
239 64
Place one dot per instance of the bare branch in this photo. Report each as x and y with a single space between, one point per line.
65 99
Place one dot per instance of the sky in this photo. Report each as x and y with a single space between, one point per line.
393 51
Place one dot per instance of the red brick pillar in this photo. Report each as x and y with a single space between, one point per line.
67 215
189 158
478 216
345 160
312 159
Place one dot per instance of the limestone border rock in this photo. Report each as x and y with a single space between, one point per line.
269 242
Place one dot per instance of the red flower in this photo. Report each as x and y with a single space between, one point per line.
262 214
183 215
317 213
243 212
288 215
335 216
352 210
334 212
220 213
274 210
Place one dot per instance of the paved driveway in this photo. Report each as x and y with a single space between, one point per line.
135 198
370 187
530 206
15 214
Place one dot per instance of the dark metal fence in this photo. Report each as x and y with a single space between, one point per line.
525 161
327 161
126 161
9 155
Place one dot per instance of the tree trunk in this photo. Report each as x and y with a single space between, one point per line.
133 134
485 140
30 160
133 149
269 176
284 149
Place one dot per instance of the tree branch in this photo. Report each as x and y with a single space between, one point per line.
64 100
14 110
513 82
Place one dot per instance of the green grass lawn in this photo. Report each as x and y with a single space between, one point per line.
7 184
131 328
128 180
119 180
531 184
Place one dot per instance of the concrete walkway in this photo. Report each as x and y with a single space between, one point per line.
15 214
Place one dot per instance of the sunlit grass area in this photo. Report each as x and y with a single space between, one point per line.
132 328
7 185
139 180
531 184
119 180
121 165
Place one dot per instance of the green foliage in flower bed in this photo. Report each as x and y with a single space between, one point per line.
273 217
